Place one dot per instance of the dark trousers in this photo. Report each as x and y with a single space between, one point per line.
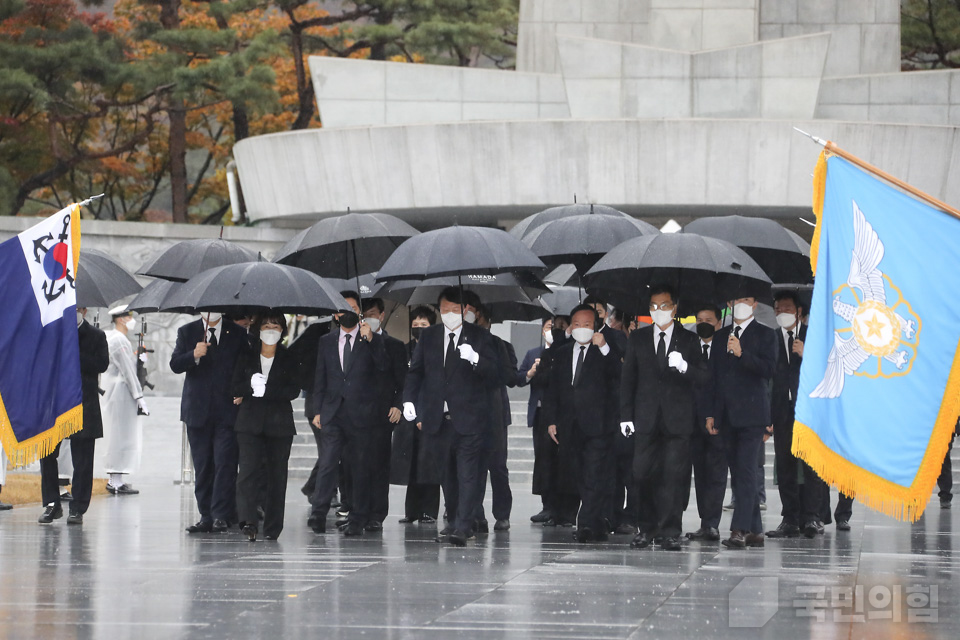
495 463
801 502
343 439
81 452
263 461
311 484
381 438
742 445
214 450
421 500
625 500
660 460
463 480
593 475
945 481
842 513
709 463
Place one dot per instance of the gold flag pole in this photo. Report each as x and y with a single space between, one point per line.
863 164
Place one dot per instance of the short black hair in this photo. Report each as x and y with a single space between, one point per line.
661 288
591 299
351 294
276 316
424 312
372 302
472 299
709 307
544 321
585 307
450 294
788 294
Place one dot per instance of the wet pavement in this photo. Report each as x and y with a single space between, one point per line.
131 571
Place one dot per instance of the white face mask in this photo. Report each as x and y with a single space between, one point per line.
548 338
469 316
79 318
661 317
786 320
270 337
130 324
451 320
583 335
373 323
742 311
213 317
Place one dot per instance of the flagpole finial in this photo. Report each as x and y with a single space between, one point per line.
86 202
819 141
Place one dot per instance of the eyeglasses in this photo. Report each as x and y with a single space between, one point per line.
664 306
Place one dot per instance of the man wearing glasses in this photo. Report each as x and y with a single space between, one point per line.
663 363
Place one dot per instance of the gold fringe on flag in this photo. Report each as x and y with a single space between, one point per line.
75 235
897 501
819 189
23 453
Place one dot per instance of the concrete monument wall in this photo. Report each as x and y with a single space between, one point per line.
918 97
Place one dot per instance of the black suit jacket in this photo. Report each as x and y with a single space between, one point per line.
390 384
94 360
741 386
272 414
536 390
646 390
786 378
305 347
206 388
466 390
591 405
704 390
356 389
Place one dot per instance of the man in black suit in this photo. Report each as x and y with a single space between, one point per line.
305 348
454 370
350 363
663 364
616 338
526 373
94 360
741 412
206 351
581 414
389 411
801 502
707 456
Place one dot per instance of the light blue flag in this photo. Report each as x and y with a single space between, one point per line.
880 382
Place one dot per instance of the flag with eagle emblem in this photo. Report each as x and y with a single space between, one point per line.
40 387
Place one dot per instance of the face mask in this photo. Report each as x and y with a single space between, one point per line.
786 320
548 338
213 317
742 311
130 324
705 330
583 335
373 323
451 320
270 337
661 317
348 320
416 332
79 318
469 317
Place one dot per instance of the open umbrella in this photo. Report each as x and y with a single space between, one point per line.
101 280
530 223
781 253
256 286
584 239
151 299
520 311
503 287
366 285
186 259
699 268
562 299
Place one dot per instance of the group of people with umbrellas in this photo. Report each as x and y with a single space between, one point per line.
445 390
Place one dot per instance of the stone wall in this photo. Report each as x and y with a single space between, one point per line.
917 97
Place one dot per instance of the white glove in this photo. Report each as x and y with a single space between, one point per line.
626 428
143 357
467 353
142 406
258 379
676 361
409 412
259 390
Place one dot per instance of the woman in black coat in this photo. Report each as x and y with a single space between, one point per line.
265 381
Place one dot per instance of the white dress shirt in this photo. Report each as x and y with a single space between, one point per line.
446 340
604 350
666 338
341 341
265 365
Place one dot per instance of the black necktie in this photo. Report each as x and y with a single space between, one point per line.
706 351
448 359
576 375
213 336
662 350
346 351
736 332
789 345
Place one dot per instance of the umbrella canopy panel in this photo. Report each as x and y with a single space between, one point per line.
101 280
186 259
530 223
503 287
153 297
584 239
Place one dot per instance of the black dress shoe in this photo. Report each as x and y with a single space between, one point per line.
5 506
204 526
735 541
457 538
373 526
565 523
50 513
312 520
640 541
446 531
785 530
541 517
353 529
270 537
75 518
583 534
671 544
626 530
812 528
66 496
704 533
843 525
427 519
549 522
502 525
945 503
407 520
250 531
219 526
123 490
482 526
319 525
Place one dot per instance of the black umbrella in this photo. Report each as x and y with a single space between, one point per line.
503 287
366 285
563 276
255 286
458 251
562 299
101 280
530 223
188 258
699 268
781 253
520 311
582 240
151 299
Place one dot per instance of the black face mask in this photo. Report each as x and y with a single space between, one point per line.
348 320
705 330
415 333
